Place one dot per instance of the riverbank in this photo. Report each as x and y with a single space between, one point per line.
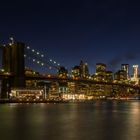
2 101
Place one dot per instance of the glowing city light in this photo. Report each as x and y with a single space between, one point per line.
28 47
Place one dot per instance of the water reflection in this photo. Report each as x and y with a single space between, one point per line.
99 120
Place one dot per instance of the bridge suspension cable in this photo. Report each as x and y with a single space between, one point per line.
40 58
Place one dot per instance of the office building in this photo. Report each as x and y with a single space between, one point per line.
125 67
84 71
100 67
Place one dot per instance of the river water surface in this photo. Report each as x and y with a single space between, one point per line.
99 120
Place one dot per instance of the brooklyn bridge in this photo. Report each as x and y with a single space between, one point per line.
17 80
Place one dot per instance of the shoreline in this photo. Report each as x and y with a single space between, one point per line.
44 101
3 101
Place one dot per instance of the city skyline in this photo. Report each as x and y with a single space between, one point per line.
35 58
95 32
70 69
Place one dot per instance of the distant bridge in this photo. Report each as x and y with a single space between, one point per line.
14 75
68 79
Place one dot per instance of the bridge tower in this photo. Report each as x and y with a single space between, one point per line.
13 62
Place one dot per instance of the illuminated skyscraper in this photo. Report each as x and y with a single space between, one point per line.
125 67
100 67
76 72
100 74
135 74
120 75
135 71
84 71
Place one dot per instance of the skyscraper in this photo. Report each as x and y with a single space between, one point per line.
84 71
135 74
76 72
135 71
100 67
125 67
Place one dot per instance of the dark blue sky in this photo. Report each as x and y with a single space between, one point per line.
106 31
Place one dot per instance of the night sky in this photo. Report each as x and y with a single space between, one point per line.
68 31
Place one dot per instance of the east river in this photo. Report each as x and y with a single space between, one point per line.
99 120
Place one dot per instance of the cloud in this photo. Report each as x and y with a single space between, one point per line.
113 64
118 60
131 56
